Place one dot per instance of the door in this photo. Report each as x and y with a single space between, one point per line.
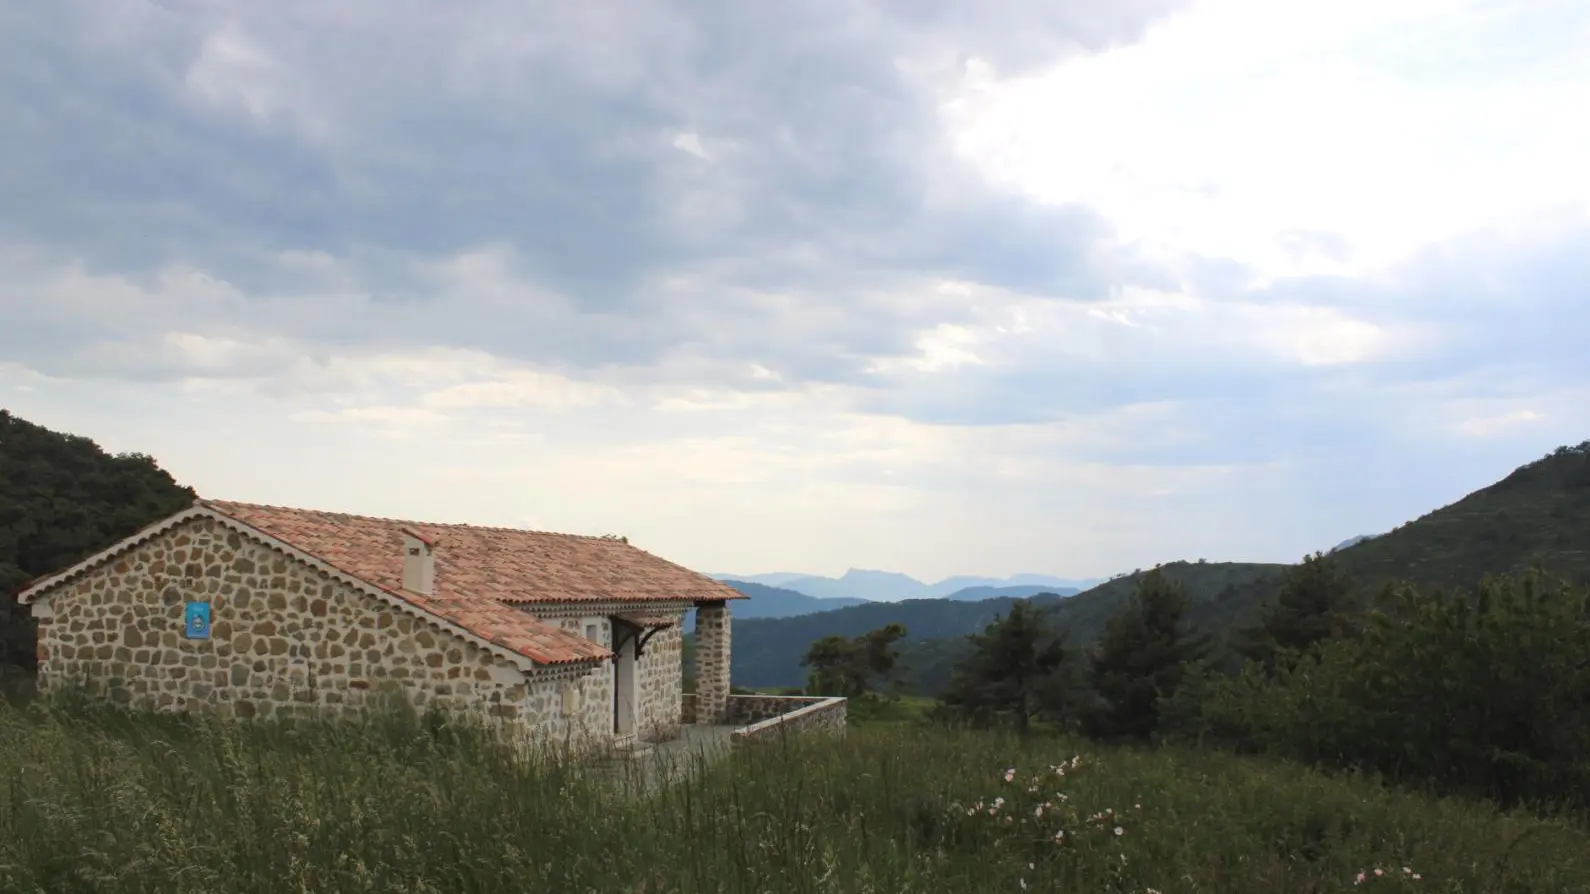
624 689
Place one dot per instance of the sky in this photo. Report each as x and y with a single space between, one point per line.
929 286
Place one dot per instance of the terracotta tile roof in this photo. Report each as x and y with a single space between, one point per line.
481 572
510 628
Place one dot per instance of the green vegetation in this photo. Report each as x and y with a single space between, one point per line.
1140 662
1488 695
768 651
854 666
63 499
1013 671
96 801
1485 695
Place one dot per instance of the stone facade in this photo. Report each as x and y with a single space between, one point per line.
712 661
659 672
288 638
661 681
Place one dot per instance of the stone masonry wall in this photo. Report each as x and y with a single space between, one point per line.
596 701
661 681
744 710
659 674
713 632
285 638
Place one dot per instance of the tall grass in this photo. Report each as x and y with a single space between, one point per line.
96 800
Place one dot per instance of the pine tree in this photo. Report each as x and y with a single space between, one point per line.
1141 660
1311 607
1013 672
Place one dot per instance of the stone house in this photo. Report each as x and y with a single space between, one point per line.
259 610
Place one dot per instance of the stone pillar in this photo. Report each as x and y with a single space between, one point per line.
712 661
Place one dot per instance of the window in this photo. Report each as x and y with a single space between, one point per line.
591 633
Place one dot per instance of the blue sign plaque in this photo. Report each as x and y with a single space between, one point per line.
198 620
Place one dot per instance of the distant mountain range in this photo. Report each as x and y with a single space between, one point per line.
890 586
779 602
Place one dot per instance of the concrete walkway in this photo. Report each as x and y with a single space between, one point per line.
650 764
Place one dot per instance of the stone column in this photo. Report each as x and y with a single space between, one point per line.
712 661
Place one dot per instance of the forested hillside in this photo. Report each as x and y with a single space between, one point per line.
1536 517
62 498
767 651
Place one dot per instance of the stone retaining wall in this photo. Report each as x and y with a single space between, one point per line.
796 715
744 710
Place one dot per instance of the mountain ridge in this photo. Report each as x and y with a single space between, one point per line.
876 585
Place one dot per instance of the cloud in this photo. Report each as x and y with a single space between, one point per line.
1045 286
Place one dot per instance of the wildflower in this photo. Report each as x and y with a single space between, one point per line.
1119 831
1010 774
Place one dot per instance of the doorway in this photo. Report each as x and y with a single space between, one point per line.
625 639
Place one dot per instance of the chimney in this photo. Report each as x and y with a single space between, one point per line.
419 563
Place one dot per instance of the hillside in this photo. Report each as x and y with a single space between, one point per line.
62 498
767 651
777 602
978 594
1537 516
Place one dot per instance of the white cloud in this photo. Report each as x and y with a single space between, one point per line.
1237 121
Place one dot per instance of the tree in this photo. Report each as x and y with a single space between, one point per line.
62 499
1013 671
854 666
1485 694
1311 607
1141 660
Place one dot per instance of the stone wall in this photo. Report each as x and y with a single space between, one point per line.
743 710
661 680
596 699
713 631
824 716
659 674
285 638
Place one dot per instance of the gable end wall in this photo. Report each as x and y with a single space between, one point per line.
285 638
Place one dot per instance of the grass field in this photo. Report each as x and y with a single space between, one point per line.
93 800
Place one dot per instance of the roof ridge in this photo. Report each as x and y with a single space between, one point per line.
217 504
